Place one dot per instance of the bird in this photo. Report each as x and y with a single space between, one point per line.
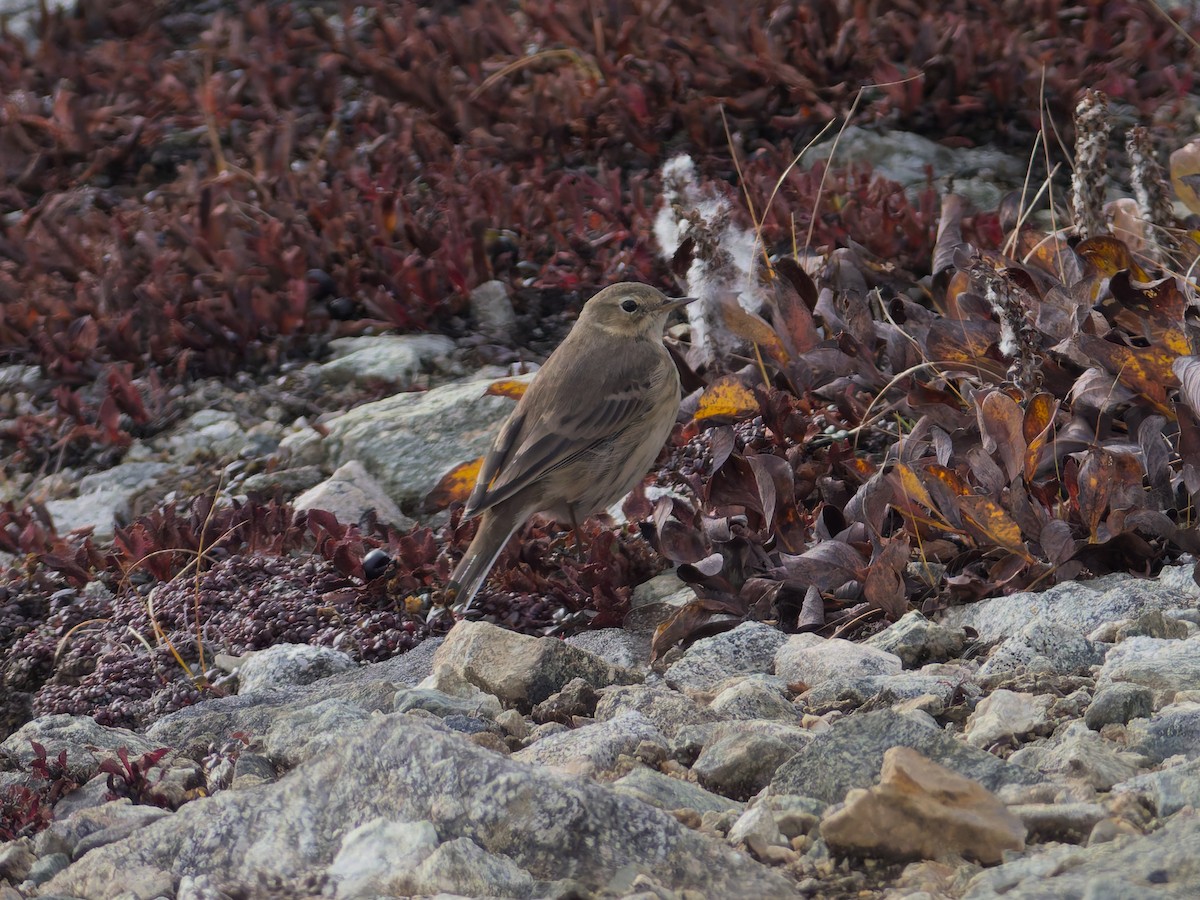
586 430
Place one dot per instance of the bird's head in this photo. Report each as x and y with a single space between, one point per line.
631 310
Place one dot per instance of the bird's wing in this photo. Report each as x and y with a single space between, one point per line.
593 406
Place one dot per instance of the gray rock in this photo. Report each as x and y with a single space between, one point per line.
304 731
758 830
351 492
16 859
96 827
740 765
1044 647
1081 754
397 768
1168 790
47 867
618 646
981 174
371 688
850 755
1174 731
207 434
594 749
1160 664
811 660
1067 822
522 671
107 496
748 649
461 867
1117 703
669 710
17 377
1164 863
372 855
667 793
289 482
1005 716
289 665
754 697
1080 606
838 692
395 359
916 640
87 743
442 704
693 739
409 441
493 310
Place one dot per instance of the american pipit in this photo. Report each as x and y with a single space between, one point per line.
585 432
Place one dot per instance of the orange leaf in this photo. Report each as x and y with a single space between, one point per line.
1037 425
456 485
990 519
1110 255
513 388
911 486
726 400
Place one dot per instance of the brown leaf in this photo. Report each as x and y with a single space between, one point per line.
795 297
812 611
753 329
1001 427
826 566
1109 255
1096 474
687 621
949 233
884 586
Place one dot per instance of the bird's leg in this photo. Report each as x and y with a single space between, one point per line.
575 531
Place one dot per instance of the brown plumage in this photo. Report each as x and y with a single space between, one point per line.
590 424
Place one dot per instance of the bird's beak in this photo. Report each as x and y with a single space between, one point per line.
677 302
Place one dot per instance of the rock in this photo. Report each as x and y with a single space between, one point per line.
395 359
16 859
758 830
840 693
493 310
409 441
289 665
921 810
208 434
1044 647
1164 863
47 867
289 482
99 826
351 492
397 768
522 671
668 710
618 646
107 496
980 174
372 855
848 754
655 601
916 640
443 705
1118 703
1162 665
1080 606
1067 822
667 793
86 743
747 649
809 660
1152 623
594 749
1005 716
1174 731
1168 790
463 868
692 740
1079 754
301 732
577 699
740 765
193 729
754 697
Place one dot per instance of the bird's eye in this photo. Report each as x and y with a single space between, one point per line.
629 305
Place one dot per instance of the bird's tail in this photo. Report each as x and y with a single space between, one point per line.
495 528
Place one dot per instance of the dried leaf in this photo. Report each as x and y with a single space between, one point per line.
753 329
455 486
726 400
1096 474
1001 427
990 519
1036 427
1185 175
884 585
